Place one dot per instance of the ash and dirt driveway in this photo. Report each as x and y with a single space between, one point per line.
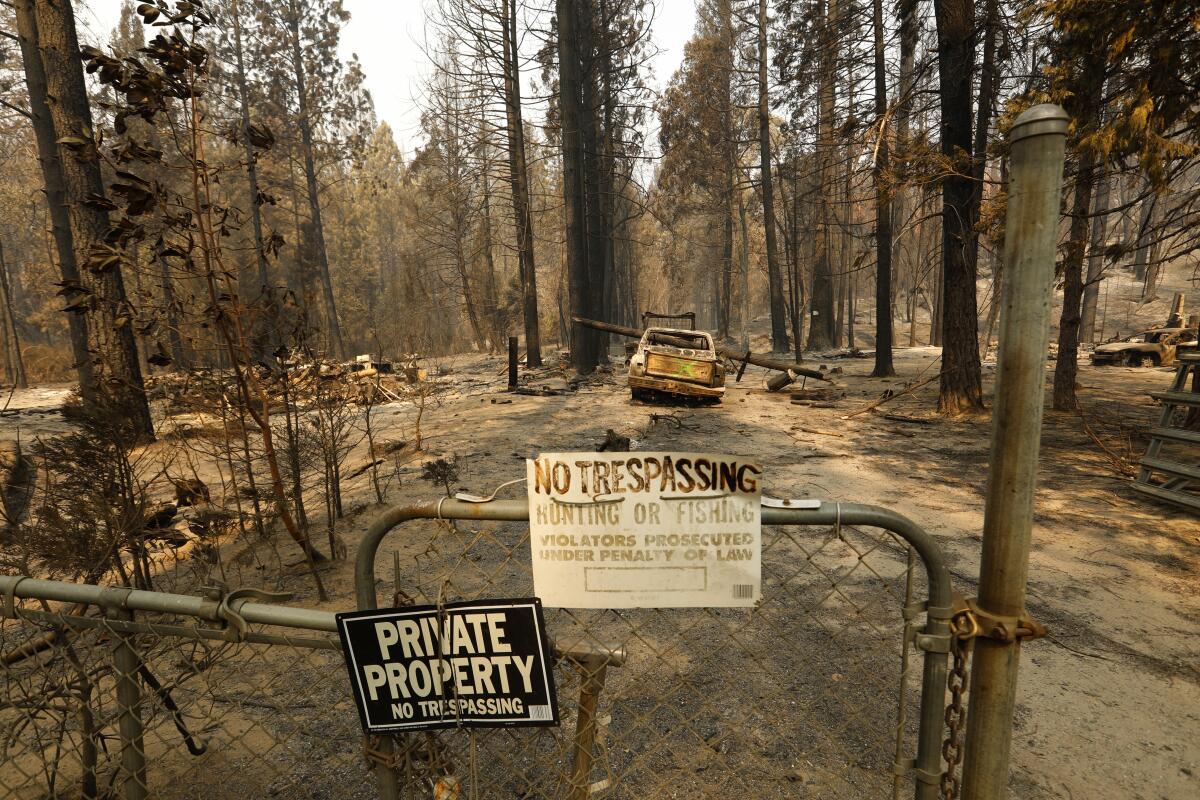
1109 705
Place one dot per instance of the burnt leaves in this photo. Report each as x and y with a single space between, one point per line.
157 81
77 296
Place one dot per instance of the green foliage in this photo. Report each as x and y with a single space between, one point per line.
1147 56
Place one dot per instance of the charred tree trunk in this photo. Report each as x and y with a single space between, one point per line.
591 106
796 285
997 284
67 99
1086 113
53 181
961 387
497 333
821 331
729 156
310 179
263 328
842 284
725 302
883 213
12 341
905 242
1066 366
779 337
583 352
519 179
1095 258
989 85
1145 235
603 46
464 277
744 270
180 357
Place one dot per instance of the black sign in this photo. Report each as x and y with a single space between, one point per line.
479 663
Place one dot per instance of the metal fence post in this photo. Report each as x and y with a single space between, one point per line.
513 357
592 684
129 721
1036 166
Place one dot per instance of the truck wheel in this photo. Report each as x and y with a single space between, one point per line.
1133 360
640 394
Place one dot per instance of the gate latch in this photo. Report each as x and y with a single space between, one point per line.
970 621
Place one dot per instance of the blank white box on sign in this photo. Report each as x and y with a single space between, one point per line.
636 579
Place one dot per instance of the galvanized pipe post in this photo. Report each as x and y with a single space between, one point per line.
1038 140
129 721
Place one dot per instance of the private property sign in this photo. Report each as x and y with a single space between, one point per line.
479 663
645 530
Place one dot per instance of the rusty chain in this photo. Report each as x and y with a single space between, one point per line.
963 629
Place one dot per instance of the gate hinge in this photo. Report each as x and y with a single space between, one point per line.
933 642
970 621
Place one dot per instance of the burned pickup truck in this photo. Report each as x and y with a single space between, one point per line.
678 364
1156 347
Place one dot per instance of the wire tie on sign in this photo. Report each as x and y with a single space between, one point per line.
467 497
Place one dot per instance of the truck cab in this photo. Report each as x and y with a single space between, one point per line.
676 363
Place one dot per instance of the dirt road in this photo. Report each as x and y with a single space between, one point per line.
1110 703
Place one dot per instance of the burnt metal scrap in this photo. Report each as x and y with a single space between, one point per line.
1159 347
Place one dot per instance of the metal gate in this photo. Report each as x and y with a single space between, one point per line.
813 693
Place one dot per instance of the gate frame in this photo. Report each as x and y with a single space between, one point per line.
933 641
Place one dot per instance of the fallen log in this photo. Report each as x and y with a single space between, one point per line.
727 352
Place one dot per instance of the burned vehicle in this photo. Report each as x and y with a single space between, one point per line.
678 364
1155 347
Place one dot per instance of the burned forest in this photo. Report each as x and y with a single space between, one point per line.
599 399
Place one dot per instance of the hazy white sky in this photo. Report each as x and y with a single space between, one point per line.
388 36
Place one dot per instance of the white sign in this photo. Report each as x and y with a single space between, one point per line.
645 530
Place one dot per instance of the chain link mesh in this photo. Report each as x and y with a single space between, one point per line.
220 719
794 698
797 697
